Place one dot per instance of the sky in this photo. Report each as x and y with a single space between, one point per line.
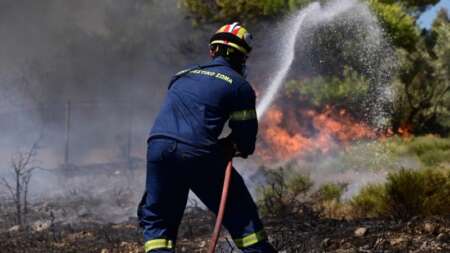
427 17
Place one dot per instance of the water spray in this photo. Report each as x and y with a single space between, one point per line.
287 58
371 52
292 31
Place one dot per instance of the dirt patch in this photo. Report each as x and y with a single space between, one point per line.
291 233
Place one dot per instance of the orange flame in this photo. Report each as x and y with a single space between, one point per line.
405 130
285 135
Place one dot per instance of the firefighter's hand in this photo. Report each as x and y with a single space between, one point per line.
228 148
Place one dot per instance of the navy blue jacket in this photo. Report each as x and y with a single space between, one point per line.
199 102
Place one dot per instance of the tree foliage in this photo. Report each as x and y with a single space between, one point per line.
398 24
423 89
230 10
397 16
414 6
347 91
226 10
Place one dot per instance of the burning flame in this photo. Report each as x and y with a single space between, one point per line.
405 130
293 133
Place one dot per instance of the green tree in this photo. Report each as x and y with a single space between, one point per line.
415 6
442 67
348 91
423 99
230 10
400 26
397 16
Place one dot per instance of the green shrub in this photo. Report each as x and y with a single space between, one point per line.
271 202
281 195
330 192
437 192
435 157
299 185
327 201
370 202
406 193
423 144
431 150
272 196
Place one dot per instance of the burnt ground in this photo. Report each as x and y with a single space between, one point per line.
291 233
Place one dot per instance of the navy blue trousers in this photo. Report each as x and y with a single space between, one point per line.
174 168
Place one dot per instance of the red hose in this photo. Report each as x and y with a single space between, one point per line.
223 202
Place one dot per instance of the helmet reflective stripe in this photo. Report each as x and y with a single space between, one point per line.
236 30
241 32
226 28
233 35
233 26
231 44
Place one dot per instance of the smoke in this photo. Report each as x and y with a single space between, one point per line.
112 60
107 57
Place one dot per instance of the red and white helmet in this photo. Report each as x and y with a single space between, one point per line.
233 35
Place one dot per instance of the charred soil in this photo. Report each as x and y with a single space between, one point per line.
305 232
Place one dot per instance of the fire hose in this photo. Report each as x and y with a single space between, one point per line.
221 212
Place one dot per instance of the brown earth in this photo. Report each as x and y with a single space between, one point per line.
292 233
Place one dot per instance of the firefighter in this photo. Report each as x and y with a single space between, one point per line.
185 153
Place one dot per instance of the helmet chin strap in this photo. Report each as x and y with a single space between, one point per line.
213 52
244 71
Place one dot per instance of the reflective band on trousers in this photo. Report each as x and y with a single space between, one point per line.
243 115
250 239
158 244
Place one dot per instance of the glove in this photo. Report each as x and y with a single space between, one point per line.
228 148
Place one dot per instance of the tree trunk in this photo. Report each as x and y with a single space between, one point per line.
18 199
